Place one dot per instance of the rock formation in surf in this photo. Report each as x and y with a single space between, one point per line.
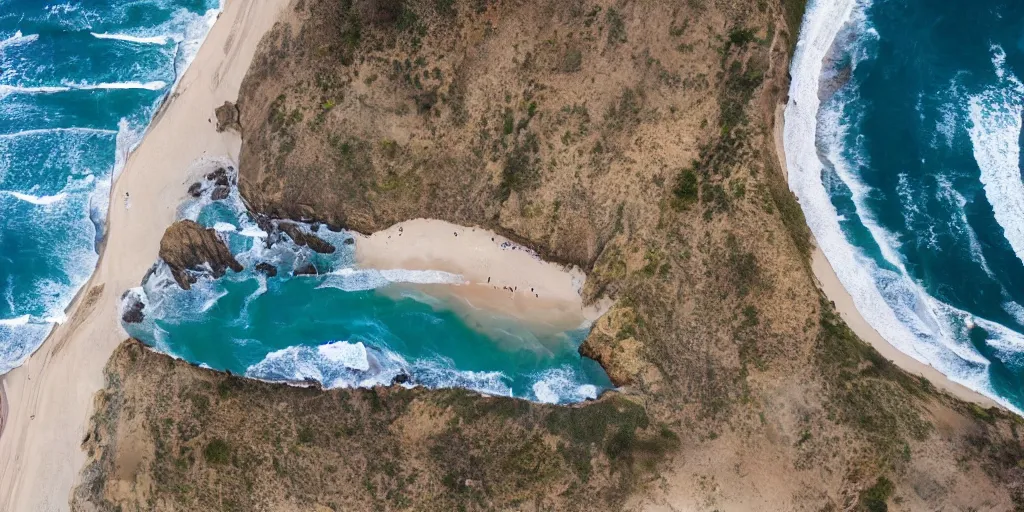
190 249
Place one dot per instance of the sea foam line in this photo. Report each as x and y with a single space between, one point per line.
859 274
40 200
995 129
158 40
17 39
154 85
43 131
16 321
28 337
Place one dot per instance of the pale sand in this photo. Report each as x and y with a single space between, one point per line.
833 289
499 275
49 399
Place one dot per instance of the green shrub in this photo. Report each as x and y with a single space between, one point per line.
572 60
616 27
217 451
686 189
874 498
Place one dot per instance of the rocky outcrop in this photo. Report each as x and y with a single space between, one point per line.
306 270
190 249
227 117
266 269
220 193
300 237
133 314
612 344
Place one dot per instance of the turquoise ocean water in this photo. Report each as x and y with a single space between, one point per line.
903 136
347 326
79 81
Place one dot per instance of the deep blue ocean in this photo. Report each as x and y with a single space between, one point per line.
79 81
903 136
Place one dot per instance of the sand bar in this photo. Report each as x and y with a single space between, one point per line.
500 276
49 399
833 289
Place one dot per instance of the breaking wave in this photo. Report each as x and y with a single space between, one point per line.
78 85
158 40
824 164
995 131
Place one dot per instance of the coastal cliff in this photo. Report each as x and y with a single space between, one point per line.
630 138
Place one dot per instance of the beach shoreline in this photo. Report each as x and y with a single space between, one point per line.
499 276
48 400
828 282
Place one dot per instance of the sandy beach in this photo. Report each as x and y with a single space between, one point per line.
500 276
830 285
49 400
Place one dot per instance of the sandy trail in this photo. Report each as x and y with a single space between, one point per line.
830 285
49 399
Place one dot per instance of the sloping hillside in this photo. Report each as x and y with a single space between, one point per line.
632 138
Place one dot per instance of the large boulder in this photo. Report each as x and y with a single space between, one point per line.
188 247
227 117
302 238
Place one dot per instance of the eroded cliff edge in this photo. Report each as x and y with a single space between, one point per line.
631 138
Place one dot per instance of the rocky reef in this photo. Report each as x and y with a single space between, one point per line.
190 249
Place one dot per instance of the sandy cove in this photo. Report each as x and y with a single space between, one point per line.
49 399
829 283
500 275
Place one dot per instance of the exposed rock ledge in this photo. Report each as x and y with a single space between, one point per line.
187 246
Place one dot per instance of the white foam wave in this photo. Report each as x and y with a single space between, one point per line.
159 40
128 138
195 29
351 355
45 131
6 90
344 364
212 300
16 321
17 341
558 386
253 231
224 227
441 373
957 203
17 39
995 130
350 279
915 323
154 85
40 200
335 365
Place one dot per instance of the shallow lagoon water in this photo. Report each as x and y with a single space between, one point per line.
347 326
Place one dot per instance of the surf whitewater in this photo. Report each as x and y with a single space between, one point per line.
300 311
902 141
79 83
